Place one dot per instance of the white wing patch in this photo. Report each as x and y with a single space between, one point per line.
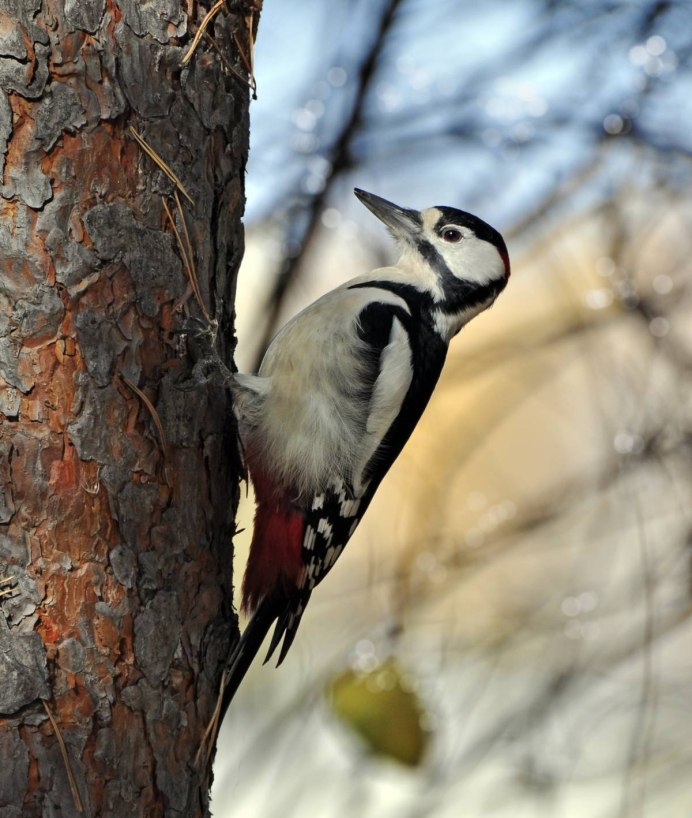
309 540
391 386
324 528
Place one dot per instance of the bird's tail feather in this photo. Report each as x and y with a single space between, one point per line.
287 627
234 673
247 648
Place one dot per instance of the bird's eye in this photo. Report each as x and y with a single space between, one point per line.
451 234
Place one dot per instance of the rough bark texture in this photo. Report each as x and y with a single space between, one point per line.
119 543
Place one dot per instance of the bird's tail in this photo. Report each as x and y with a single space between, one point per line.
247 648
234 673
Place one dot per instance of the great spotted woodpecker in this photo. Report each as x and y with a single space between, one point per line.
337 396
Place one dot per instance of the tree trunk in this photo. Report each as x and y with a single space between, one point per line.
118 488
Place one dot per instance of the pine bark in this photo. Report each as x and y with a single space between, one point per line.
116 516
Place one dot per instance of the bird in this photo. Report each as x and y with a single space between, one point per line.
339 391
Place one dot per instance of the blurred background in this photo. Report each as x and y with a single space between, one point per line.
509 632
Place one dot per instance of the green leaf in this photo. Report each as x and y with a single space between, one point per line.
383 709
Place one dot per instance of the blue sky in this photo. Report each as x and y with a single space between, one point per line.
489 106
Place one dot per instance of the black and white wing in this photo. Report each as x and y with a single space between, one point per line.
333 514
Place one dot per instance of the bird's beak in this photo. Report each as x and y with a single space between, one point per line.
402 223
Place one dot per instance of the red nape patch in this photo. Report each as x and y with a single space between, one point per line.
505 257
275 559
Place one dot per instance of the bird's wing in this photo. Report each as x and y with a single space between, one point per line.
333 514
330 521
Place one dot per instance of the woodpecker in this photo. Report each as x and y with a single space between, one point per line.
338 393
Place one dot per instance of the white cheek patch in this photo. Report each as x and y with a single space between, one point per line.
473 259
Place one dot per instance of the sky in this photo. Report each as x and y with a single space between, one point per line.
487 105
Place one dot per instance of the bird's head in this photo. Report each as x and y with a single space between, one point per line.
462 258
